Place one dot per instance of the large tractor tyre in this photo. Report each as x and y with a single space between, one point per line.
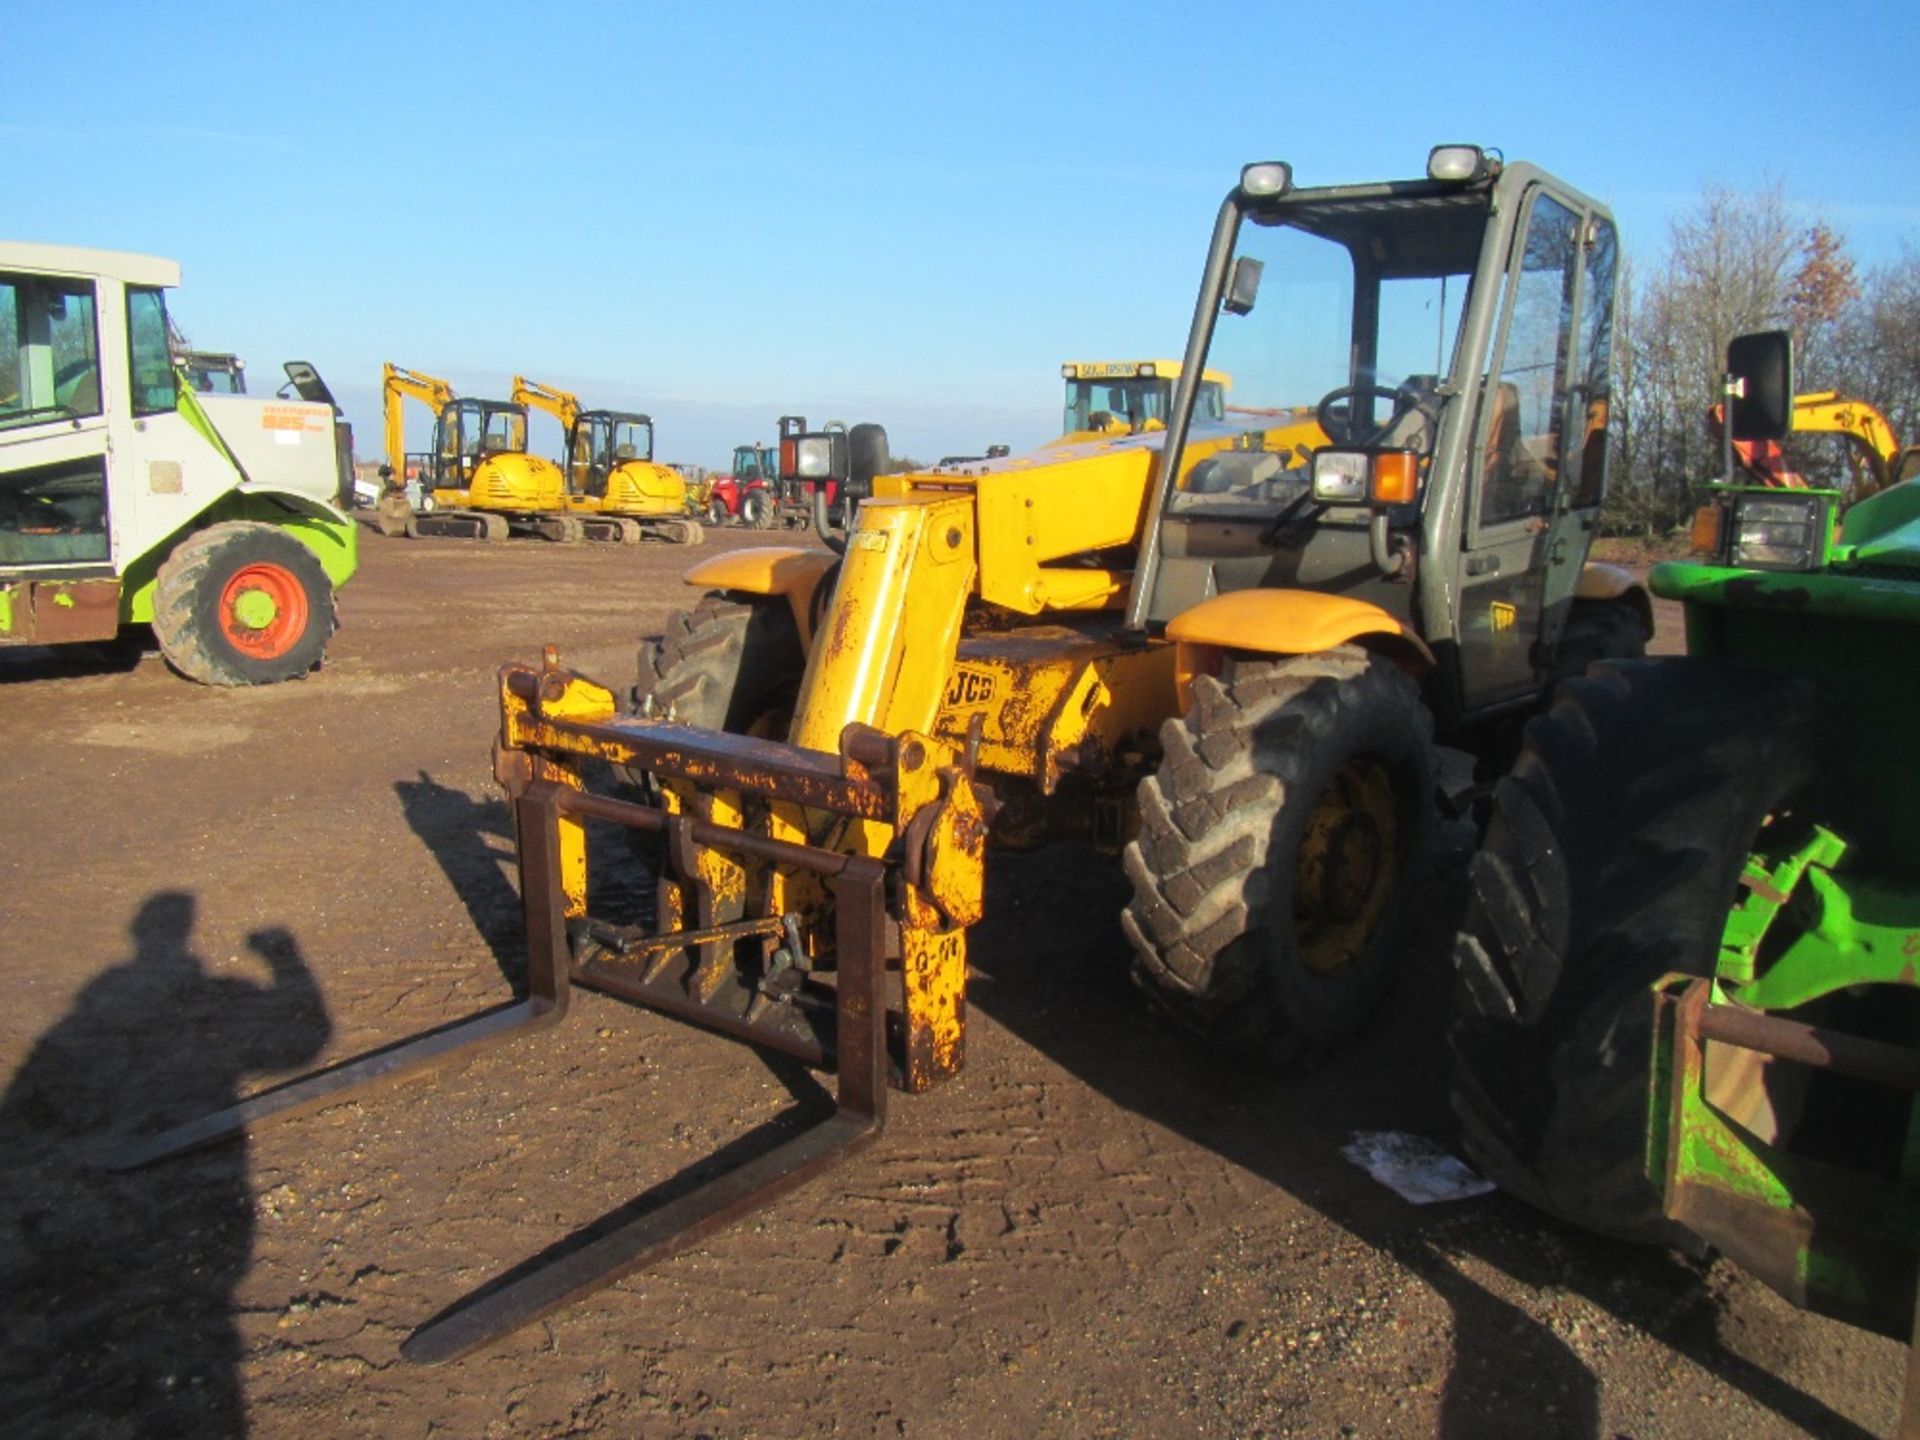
1282 843
757 510
727 664
1613 854
717 513
242 603
1599 630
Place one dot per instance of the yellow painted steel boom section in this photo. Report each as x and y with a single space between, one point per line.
397 386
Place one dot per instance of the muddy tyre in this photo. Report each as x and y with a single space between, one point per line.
757 510
1281 844
241 603
717 513
1599 630
727 664
1612 857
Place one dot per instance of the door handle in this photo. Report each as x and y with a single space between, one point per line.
1483 565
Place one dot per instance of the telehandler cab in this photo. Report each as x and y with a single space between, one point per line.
1221 649
1126 397
614 485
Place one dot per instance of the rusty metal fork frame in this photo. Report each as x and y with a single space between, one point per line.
859 1056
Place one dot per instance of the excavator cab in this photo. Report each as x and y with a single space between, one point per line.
602 441
467 432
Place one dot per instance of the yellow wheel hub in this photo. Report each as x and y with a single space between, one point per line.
1345 872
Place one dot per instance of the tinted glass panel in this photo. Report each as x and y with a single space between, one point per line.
49 351
149 356
54 514
1522 455
1596 345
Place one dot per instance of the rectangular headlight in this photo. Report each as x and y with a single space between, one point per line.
1340 476
813 457
1773 532
1268 178
1459 163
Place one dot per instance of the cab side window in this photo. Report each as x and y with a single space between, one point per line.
149 357
1596 349
49 351
1522 439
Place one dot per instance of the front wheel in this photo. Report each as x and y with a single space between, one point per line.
717 513
1613 855
1282 842
242 603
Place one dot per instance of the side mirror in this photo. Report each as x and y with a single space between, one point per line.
307 384
1243 285
868 456
1762 366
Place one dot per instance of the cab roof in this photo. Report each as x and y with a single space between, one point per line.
121 265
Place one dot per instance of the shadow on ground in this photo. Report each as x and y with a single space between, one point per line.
116 1290
1509 1374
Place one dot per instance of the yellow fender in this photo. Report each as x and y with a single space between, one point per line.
1600 581
770 570
1286 622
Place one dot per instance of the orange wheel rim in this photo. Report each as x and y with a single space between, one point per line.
263 611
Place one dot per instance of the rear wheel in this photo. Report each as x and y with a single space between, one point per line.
241 603
1281 844
1612 858
757 510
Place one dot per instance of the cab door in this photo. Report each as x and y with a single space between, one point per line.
1540 466
54 450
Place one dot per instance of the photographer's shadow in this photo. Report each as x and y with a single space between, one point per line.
116 1308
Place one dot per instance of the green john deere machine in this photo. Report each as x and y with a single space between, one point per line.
1690 970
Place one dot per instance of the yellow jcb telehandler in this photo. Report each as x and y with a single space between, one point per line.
1127 397
1221 650
614 486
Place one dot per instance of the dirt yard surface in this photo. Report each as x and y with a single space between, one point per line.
1097 1230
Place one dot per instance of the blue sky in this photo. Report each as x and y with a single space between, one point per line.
900 213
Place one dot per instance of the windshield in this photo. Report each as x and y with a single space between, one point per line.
632 440
213 374
1126 407
1359 306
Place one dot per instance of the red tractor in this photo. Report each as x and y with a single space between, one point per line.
745 496
773 487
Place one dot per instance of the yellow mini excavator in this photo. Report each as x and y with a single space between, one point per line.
614 485
1220 650
477 482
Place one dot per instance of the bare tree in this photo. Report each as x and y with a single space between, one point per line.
1730 265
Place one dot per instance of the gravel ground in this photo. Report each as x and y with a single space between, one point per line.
1096 1230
